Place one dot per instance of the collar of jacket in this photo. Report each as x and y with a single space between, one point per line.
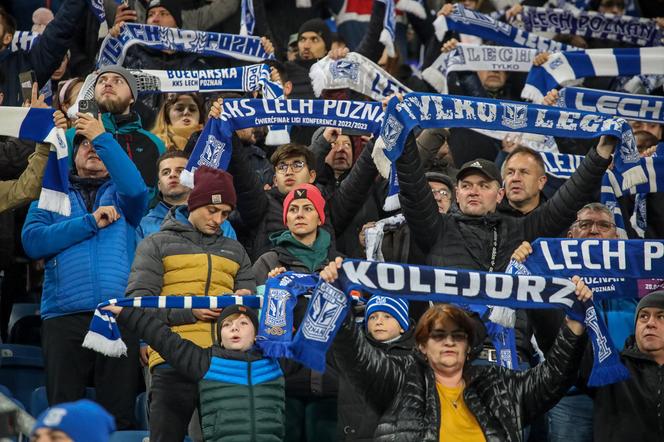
177 221
251 355
506 208
405 342
122 124
489 218
631 351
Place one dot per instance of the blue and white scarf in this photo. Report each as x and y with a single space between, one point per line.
634 107
37 125
467 21
247 18
97 7
433 111
209 44
388 33
214 145
634 30
613 268
354 72
563 67
467 57
104 337
329 304
23 40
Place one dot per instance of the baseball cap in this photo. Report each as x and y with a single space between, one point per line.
483 166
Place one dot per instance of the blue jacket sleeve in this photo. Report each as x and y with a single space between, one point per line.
49 50
132 192
42 237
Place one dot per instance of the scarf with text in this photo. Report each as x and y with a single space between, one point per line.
433 111
208 44
103 335
477 58
564 67
471 22
631 106
329 303
214 145
37 125
633 30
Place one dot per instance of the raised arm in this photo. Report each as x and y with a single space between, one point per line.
14 193
252 202
417 202
580 189
186 357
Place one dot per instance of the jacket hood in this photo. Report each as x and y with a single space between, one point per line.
632 351
176 220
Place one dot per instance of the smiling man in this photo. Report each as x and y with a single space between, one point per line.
634 409
189 256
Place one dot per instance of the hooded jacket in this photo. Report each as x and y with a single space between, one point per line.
86 265
402 389
181 261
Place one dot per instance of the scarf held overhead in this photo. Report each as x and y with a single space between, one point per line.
563 67
214 145
467 21
329 304
209 44
434 111
103 335
633 30
37 125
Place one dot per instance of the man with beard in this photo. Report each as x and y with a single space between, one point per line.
115 92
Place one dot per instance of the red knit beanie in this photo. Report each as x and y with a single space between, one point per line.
309 192
211 186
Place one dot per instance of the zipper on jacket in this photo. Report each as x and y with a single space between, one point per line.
252 411
207 289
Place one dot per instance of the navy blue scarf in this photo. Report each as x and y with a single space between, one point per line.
329 303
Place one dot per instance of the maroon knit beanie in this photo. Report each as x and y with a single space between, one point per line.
211 186
310 192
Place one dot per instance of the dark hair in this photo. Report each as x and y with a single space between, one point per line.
439 313
281 68
7 21
171 154
523 150
291 150
170 102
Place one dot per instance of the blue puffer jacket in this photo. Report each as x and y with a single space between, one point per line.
86 265
151 223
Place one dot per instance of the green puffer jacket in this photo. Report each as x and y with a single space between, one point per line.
241 393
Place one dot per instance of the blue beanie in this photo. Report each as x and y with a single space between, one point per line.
397 307
82 421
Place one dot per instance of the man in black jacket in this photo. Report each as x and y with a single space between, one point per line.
634 409
473 235
45 54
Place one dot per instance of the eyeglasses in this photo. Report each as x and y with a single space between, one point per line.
295 166
602 226
441 194
442 335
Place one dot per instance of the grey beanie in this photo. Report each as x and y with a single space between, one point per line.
124 73
653 299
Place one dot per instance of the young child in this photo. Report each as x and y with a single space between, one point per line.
388 328
241 392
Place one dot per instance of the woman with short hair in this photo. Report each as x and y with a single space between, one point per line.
435 393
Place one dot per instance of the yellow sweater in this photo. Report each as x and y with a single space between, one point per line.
457 423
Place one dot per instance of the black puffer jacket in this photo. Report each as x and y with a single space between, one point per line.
633 409
462 241
402 389
357 420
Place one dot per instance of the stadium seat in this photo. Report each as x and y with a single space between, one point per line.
141 411
130 436
24 325
39 401
21 369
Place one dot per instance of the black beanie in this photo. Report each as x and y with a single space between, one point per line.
172 6
654 299
240 309
319 27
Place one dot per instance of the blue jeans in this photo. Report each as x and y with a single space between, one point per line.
571 420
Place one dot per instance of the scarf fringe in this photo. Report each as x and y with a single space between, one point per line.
504 316
277 137
391 203
54 201
278 349
440 27
317 77
633 176
383 164
101 344
607 374
412 7
187 178
386 39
